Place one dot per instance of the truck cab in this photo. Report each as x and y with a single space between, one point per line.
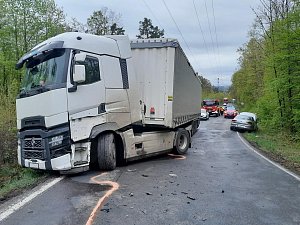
72 83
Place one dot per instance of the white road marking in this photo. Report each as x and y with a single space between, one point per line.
13 208
270 161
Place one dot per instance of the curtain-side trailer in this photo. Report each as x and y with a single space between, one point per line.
90 100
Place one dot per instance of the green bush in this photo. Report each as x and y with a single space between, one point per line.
14 179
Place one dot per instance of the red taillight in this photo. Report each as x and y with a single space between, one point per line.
152 110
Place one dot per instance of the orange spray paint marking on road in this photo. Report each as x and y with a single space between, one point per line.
179 157
114 185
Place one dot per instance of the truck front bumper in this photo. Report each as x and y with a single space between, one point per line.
45 149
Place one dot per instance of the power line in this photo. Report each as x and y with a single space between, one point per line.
152 13
177 26
202 33
217 42
212 41
211 37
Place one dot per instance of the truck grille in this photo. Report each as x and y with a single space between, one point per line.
33 155
33 148
33 143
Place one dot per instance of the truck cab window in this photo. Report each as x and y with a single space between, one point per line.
92 70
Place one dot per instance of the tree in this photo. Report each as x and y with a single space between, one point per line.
207 87
114 29
75 25
248 80
104 22
269 66
23 24
147 30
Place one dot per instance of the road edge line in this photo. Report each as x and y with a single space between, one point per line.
14 207
267 159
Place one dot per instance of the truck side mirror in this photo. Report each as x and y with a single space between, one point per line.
79 74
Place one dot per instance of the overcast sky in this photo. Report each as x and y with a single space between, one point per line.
210 40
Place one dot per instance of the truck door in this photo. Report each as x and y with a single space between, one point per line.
89 97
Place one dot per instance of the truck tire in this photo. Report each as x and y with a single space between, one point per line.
182 141
106 150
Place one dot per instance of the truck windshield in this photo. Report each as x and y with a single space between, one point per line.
210 103
45 71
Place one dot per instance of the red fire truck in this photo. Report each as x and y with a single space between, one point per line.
212 106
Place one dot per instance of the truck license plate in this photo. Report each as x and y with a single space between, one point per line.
34 165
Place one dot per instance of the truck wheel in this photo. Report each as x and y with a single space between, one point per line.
183 140
106 150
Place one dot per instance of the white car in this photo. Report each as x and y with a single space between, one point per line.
204 114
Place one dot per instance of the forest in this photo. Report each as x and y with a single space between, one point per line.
268 81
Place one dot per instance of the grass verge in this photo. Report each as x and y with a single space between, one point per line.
277 146
14 179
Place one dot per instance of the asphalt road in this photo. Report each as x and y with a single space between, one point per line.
221 181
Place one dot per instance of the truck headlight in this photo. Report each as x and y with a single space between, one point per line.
55 141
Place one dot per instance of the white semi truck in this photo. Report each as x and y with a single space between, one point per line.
100 101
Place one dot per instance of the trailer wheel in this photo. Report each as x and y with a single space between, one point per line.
106 150
183 140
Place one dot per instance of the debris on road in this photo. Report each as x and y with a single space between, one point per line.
192 198
184 192
172 175
145 175
148 193
105 210
131 170
131 194
223 191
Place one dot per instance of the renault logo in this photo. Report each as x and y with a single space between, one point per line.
32 142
